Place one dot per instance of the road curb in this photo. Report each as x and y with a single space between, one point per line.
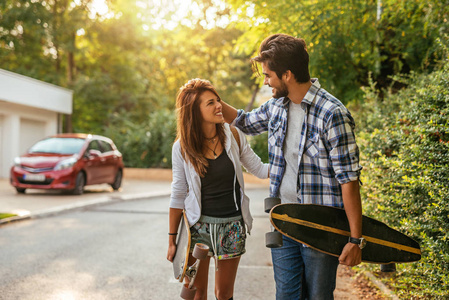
82 205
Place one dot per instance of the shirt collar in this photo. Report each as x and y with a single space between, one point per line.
311 93
309 97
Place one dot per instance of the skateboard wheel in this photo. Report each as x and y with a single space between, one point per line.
388 267
273 239
187 293
271 202
200 251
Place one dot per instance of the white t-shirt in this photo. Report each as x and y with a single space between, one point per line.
289 184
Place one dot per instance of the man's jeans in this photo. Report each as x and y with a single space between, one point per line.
301 272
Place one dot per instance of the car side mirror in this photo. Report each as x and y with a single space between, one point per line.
93 153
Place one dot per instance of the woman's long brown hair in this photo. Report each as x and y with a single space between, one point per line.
189 129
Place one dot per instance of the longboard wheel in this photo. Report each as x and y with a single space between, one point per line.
388 267
271 202
273 239
187 293
200 251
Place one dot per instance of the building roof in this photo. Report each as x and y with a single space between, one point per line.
19 89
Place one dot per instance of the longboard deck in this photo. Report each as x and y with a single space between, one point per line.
326 229
182 249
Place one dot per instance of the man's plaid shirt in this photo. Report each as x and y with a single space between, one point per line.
328 153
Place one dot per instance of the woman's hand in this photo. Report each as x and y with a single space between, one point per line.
174 217
171 252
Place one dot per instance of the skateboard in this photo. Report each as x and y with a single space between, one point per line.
181 269
273 238
326 229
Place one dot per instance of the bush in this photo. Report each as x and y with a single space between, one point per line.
404 142
146 145
259 143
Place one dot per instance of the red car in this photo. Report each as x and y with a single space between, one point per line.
68 162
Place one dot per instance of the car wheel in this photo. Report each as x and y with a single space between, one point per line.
118 180
79 184
20 190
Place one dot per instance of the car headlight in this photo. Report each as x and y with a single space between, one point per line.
66 163
17 162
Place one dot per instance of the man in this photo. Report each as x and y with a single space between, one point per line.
313 159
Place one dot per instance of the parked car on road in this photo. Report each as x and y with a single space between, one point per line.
68 162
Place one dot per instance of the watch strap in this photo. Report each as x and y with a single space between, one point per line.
354 240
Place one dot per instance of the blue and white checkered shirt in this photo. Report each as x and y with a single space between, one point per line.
328 153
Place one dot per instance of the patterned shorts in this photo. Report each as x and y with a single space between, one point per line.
225 236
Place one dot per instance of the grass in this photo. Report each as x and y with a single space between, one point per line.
6 215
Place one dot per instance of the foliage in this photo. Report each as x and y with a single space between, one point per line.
6 215
186 53
146 144
404 141
116 64
259 143
348 40
37 38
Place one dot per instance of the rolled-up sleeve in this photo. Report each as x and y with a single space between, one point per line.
254 122
344 153
179 184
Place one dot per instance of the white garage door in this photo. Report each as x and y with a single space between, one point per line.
31 131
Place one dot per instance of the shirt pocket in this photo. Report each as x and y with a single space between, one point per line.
274 134
311 147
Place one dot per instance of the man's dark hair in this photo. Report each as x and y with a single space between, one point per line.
282 52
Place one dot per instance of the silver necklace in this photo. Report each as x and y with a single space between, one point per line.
213 150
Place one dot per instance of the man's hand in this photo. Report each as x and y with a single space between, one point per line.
229 112
351 255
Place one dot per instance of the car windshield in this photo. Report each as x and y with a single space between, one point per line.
58 145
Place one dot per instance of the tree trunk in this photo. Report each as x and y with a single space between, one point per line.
253 98
68 124
70 68
70 78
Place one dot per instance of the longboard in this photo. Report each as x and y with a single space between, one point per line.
182 249
326 229
181 269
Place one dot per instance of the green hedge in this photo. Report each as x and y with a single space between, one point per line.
147 144
259 143
404 141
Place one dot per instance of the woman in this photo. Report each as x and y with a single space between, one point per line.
208 185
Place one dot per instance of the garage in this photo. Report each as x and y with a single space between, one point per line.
29 111
30 132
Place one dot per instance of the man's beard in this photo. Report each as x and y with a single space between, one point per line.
280 92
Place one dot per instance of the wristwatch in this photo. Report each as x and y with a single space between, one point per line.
361 242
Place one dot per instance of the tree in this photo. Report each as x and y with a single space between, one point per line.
346 39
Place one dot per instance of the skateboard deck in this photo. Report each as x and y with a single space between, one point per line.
326 229
180 261
181 269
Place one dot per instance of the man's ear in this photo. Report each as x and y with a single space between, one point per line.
288 76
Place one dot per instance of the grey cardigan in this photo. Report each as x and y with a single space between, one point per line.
186 184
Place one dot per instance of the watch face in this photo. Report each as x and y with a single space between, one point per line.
362 243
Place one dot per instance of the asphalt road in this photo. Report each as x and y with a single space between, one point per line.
114 251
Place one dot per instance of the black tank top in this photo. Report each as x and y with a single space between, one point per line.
217 189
